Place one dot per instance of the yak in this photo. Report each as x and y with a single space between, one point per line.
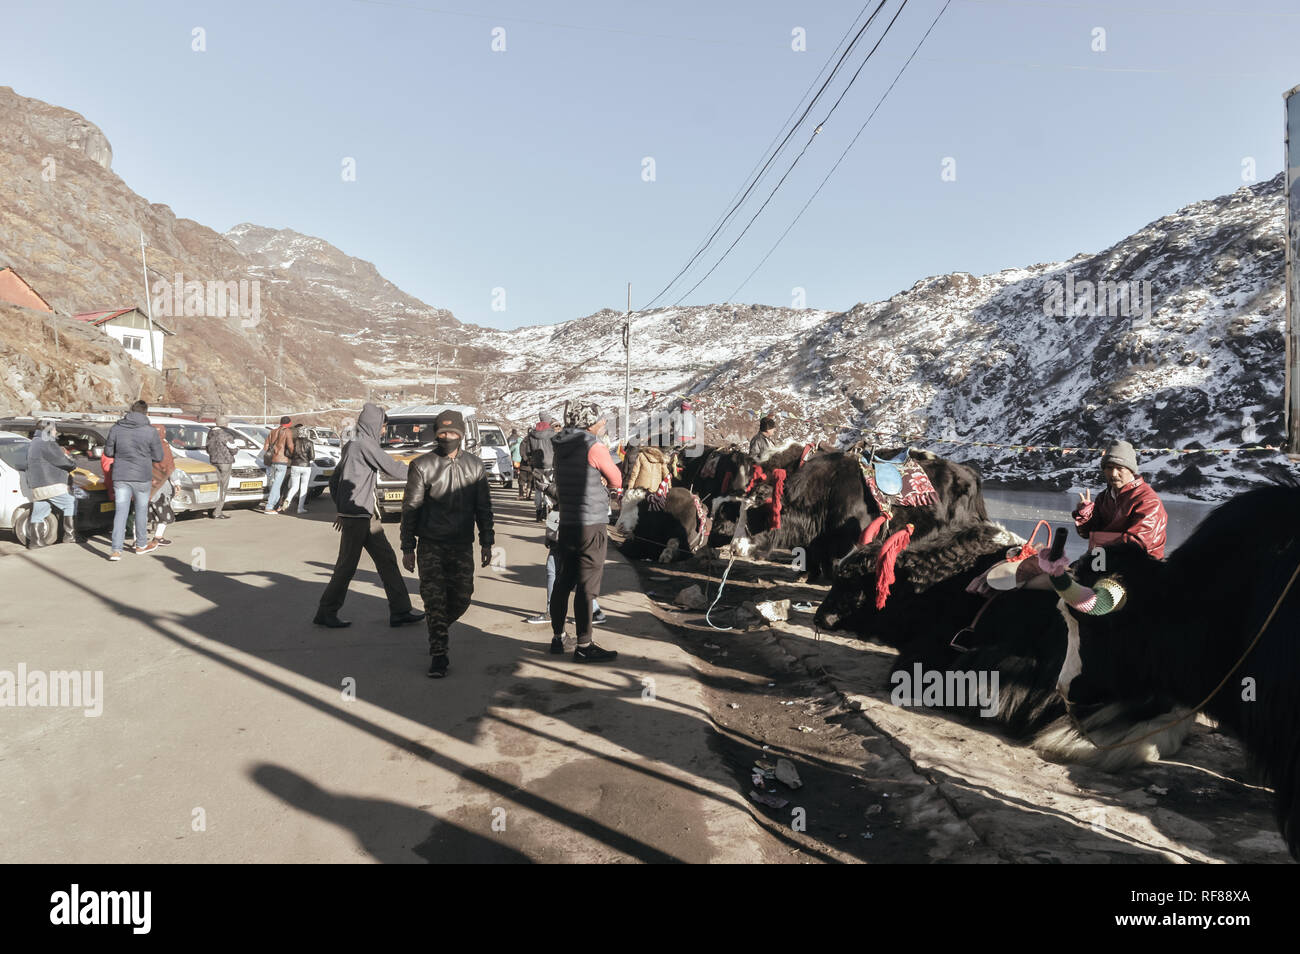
1197 626
826 508
1018 635
664 532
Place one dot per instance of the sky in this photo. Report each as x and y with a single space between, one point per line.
528 185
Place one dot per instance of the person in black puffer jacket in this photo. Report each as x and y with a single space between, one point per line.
583 472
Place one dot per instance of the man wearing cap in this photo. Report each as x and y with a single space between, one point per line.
764 442
583 471
447 494
1127 511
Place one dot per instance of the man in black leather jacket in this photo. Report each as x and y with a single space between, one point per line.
447 494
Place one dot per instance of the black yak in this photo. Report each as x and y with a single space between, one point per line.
1019 635
826 508
1183 625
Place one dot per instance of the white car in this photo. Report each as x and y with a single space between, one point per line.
190 439
325 456
15 495
494 451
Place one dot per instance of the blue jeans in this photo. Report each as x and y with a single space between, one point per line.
550 581
66 503
277 478
127 494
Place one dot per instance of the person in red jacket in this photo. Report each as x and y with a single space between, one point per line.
1127 511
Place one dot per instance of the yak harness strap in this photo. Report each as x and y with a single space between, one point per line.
703 526
807 452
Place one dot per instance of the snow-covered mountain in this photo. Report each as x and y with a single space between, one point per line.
1171 338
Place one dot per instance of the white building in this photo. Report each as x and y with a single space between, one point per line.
130 326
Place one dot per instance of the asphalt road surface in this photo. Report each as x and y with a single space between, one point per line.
233 730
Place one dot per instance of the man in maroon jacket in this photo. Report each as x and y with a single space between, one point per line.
1127 511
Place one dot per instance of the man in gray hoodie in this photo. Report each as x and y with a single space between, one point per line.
47 476
353 490
134 447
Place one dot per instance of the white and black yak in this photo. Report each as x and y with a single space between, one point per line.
826 508
1180 626
1019 635
670 528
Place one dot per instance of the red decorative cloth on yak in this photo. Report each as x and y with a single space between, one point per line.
916 489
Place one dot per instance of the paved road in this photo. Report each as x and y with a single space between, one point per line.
226 736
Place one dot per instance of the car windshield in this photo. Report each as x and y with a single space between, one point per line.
187 436
407 432
13 451
257 435
492 438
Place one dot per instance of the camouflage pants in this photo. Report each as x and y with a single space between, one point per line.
446 585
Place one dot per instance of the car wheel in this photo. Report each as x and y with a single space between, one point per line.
315 492
22 526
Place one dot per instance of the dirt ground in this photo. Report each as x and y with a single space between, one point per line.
883 783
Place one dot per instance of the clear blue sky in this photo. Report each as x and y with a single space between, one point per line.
522 169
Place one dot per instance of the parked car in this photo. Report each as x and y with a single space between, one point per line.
189 439
494 451
84 438
409 433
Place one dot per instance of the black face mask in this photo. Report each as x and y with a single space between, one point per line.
448 445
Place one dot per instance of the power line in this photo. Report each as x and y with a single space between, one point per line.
753 184
781 181
739 189
879 103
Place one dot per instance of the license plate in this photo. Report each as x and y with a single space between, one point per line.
106 507
327 473
209 488
250 485
394 494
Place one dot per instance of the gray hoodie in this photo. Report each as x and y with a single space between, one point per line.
353 483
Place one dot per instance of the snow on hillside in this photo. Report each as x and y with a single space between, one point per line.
1172 337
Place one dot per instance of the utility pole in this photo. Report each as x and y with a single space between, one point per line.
627 369
148 301
437 370
263 397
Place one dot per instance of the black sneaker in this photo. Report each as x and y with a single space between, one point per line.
437 667
557 645
593 653
598 616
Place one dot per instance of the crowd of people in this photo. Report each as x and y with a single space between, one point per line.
568 469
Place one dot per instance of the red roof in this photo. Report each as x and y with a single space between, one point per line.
98 318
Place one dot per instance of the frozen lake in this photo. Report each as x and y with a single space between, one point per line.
1019 510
